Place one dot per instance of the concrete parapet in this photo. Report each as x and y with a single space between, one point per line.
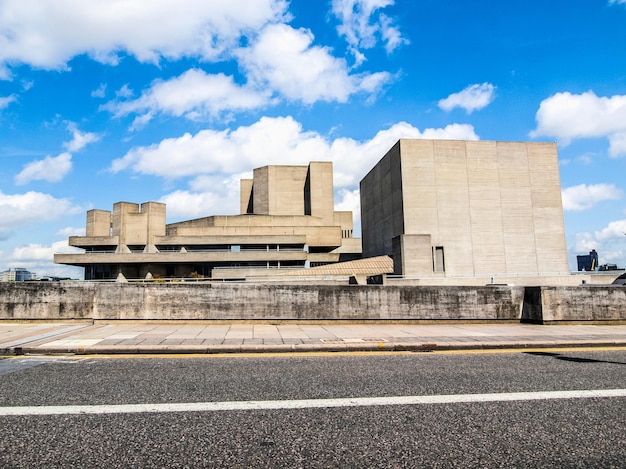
315 303
588 303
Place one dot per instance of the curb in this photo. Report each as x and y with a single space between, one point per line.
301 348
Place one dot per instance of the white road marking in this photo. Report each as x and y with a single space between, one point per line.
308 403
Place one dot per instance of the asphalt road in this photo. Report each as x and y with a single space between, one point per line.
563 432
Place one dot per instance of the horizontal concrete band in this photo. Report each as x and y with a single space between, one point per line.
179 301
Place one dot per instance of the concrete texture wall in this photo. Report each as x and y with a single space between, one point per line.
382 217
319 191
197 301
590 303
98 223
494 207
246 200
279 190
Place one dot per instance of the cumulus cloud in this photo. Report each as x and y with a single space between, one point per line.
221 159
363 25
285 59
39 258
6 100
347 200
568 116
609 241
31 207
279 140
79 139
584 197
472 98
99 92
194 94
71 231
124 92
51 169
585 242
48 34
188 205
209 194
614 230
33 253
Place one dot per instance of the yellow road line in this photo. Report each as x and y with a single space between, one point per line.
373 353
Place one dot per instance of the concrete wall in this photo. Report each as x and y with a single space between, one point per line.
98 223
562 304
493 207
382 217
199 301
319 195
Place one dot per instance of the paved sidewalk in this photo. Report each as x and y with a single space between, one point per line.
123 338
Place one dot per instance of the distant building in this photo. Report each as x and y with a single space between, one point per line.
466 209
589 262
287 221
17 274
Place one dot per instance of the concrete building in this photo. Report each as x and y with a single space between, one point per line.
467 212
287 221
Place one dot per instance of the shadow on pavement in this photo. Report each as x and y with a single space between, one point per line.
559 356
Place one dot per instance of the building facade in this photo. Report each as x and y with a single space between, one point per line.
17 274
287 221
466 209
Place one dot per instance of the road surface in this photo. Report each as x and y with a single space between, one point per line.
539 409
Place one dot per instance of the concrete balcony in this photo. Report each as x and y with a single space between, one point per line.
178 257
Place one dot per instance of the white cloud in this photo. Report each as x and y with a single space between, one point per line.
585 243
220 159
32 207
363 26
124 92
278 140
568 116
189 205
5 101
584 197
210 194
472 98
350 201
38 258
51 169
99 92
48 34
614 230
617 2
209 151
39 252
609 242
194 94
284 59
79 139
71 231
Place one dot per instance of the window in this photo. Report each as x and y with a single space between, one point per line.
438 259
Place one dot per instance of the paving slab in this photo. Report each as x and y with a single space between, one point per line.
50 338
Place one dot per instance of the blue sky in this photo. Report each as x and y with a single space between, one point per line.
175 101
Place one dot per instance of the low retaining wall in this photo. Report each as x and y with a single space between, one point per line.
229 302
603 304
